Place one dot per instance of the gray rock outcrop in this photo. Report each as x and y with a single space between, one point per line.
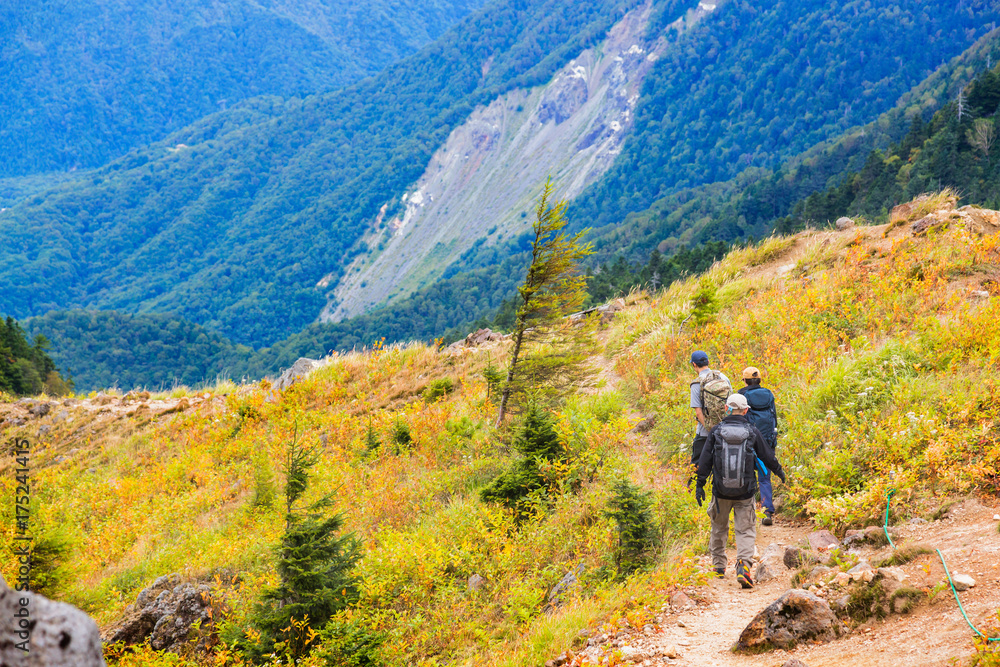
564 96
980 220
569 580
299 370
57 634
646 425
794 617
482 336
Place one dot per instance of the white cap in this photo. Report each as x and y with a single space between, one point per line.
737 402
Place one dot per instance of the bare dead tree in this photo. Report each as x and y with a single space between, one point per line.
982 135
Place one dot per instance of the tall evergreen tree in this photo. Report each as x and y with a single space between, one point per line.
549 351
315 565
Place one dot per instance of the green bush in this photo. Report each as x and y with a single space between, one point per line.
537 441
704 303
462 427
631 508
347 643
50 558
264 488
494 380
607 405
316 569
866 383
244 414
401 435
438 388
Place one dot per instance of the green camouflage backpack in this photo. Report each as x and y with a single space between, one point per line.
715 389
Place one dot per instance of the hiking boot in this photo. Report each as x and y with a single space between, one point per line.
720 572
767 520
743 574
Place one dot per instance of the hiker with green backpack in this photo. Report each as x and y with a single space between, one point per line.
730 456
709 392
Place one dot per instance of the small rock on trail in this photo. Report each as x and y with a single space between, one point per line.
823 539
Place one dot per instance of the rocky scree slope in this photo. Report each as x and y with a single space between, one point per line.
480 185
237 217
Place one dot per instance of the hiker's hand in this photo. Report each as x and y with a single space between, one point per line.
782 478
699 495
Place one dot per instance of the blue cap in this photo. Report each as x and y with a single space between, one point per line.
699 358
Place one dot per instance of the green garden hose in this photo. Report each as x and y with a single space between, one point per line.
885 526
951 583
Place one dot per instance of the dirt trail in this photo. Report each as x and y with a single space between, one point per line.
933 634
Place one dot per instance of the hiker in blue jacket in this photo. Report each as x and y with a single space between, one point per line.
764 416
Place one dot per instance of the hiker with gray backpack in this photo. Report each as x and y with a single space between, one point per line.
730 456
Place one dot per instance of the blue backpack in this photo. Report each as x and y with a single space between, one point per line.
763 413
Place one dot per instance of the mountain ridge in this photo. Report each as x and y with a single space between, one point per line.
89 81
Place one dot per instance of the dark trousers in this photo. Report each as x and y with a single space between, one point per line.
696 447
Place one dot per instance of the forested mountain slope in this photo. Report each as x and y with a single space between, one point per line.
115 349
478 187
759 200
86 81
957 149
233 221
245 221
768 80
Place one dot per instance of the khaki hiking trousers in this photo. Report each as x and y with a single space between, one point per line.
746 529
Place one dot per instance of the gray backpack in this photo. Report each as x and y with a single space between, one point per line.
733 453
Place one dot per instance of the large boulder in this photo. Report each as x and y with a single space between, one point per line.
163 614
57 634
40 410
794 617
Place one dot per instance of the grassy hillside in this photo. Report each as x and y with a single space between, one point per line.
881 348
88 81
